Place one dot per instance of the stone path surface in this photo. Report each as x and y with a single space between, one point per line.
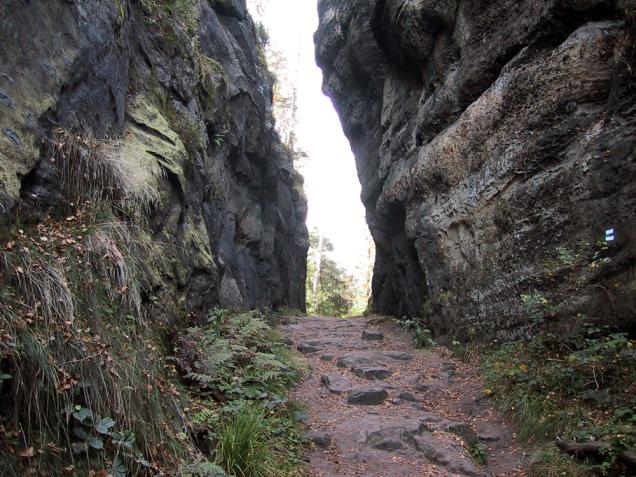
379 408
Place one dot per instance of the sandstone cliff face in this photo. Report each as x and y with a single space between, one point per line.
175 96
494 141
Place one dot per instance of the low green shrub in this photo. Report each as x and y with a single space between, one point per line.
578 388
421 335
479 453
239 356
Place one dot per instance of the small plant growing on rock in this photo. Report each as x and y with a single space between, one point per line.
566 256
422 336
218 139
536 306
97 171
600 257
262 35
628 7
479 453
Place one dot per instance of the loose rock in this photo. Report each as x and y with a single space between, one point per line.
335 383
407 396
372 335
307 348
372 373
367 395
321 439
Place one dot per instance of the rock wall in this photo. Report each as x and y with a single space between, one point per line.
174 102
494 141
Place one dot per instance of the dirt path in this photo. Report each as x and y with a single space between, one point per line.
379 408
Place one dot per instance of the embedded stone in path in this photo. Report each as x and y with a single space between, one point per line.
462 430
451 457
321 439
397 355
407 396
372 372
392 435
335 383
489 432
372 335
367 395
306 348
327 357
361 359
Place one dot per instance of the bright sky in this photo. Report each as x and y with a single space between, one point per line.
331 183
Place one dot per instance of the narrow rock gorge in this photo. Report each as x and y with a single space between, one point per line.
494 141
153 245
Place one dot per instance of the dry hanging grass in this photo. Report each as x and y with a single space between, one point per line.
109 252
97 171
43 286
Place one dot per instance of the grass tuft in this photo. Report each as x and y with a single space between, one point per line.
109 252
98 172
243 449
41 286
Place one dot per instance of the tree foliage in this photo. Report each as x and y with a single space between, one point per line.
330 289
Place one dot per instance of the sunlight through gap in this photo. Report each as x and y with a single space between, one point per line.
307 120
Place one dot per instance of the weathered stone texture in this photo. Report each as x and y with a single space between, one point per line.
494 141
194 116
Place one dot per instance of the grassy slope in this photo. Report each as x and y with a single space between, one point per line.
578 387
90 383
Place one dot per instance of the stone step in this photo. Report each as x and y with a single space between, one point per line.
335 383
372 335
367 395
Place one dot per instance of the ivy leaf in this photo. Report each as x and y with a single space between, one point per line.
82 414
104 425
80 433
95 442
119 469
125 439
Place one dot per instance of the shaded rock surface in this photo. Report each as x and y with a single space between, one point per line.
367 395
335 383
192 120
390 426
362 359
372 335
321 439
494 141
372 372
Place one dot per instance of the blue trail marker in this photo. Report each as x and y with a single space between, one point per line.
610 236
